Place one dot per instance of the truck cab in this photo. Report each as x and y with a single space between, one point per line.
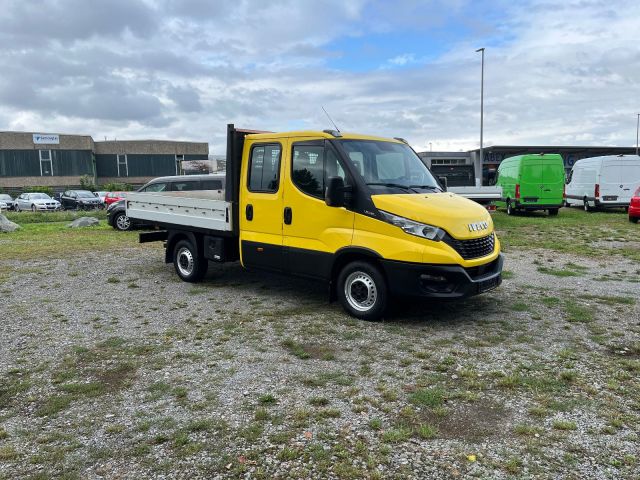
362 213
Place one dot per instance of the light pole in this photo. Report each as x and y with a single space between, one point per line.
481 102
637 132
430 148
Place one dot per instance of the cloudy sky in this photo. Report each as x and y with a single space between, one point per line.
557 72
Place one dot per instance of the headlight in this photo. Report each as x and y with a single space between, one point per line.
414 228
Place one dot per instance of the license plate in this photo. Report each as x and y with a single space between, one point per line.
488 284
608 198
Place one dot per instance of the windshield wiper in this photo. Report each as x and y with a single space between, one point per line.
432 187
396 185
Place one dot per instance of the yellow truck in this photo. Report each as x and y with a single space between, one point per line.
361 213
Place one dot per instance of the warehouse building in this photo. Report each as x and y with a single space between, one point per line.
59 161
443 162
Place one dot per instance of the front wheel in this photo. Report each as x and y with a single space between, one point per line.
122 222
187 262
634 219
362 290
33 208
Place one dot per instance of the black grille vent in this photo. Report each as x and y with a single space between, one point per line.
469 249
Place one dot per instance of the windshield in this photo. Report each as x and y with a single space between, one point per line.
85 194
40 196
5 197
388 165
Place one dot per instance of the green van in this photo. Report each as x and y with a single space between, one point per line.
532 182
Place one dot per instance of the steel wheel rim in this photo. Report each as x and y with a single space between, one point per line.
360 291
185 261
123 222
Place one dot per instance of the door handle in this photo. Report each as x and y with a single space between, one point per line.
248 212
288 215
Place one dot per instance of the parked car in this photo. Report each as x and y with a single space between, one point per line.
116 212
603 182
532 182
112 197
634 207
79 200
6 199
36 202
101 196
3 206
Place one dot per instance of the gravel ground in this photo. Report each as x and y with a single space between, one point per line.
110 367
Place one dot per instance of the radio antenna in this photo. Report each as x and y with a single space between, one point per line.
331 120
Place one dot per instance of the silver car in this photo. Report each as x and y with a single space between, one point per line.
6 199
36 202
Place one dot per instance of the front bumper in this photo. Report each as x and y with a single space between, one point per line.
48 208
442 281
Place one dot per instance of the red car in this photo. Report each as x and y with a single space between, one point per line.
113 197
634 207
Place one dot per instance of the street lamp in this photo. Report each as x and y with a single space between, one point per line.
430 148
481 101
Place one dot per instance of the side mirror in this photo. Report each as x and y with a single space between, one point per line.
334 192
443 182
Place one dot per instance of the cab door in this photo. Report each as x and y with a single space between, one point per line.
313 231
261 206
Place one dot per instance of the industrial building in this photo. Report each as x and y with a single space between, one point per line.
456 166
59 161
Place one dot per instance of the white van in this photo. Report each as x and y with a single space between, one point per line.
601 182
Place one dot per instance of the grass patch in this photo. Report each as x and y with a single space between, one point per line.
564 425
429 397
305 351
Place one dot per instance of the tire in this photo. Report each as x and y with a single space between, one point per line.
586 206
553 212
17 207
33 208
122 222
510 210
189 266
634 219
362 290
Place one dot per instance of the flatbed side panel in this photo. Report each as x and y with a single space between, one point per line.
180 211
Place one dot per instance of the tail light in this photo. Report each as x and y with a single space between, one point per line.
517 191
596 193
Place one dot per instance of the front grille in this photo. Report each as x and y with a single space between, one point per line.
469 249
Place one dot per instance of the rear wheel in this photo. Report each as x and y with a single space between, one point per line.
122 222
510 210
189 266
587 208
634 219
362 290
553 212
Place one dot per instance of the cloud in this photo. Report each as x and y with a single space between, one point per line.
556 72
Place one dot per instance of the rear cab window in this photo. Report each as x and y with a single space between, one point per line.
264 168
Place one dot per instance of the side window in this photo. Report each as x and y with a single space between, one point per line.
184 186
156 187
312 165
212 185
308 169
264 168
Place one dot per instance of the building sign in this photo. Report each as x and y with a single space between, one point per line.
46 139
